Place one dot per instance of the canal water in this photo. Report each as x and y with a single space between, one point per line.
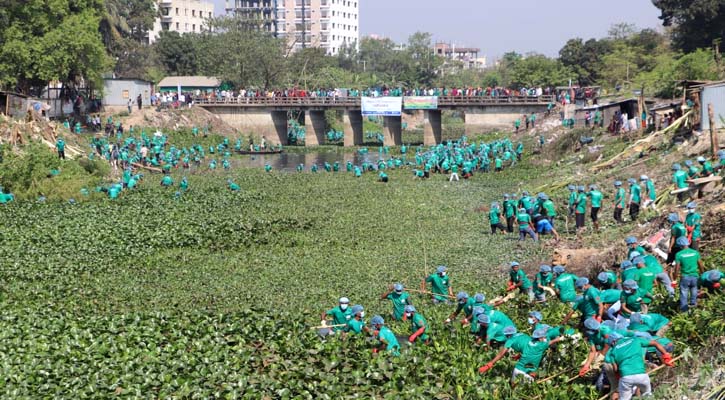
289 161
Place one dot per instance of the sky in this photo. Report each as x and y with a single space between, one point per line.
498 26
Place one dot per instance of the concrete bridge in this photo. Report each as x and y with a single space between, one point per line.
268 116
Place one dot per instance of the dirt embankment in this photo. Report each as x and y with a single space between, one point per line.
172 120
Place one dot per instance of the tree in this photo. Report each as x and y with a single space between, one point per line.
425 63
178 54
539 70
695 24
622 31
44 41
125 27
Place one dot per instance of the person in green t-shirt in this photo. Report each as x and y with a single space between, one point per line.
679 178
650 192
707 169
712 281
564 284
418 326
548 207
633 298
356 324
688 265
532 355
692 225
619 201
607 280
519 280
386 337
645 277
635 199
515 342
542 282
166 181
517 125
677 231
489 331
652 323
692 171
595 197
572 199
721 156
580 208
526 226
440 285
494 219
498 164
633 246
397 295
509 212
340 316
593 305
60 146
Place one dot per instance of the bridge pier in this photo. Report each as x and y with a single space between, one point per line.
392 131
259 122
315 127
432 127
352 123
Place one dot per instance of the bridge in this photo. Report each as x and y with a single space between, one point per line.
268 116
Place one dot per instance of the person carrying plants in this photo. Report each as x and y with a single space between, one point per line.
596 335
542 281
532 356
519 280
688 265
677 231
712 281
633 298
418 326
650 191
232 186
595 197
494 219
526 227
515 342
440 285
692 225
620 199
564 284
489 332
397 295
356 324
340 316
386 337
635 199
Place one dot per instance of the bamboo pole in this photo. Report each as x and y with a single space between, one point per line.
713 137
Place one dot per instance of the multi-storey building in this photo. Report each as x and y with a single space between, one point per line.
328 24
467 56
181 16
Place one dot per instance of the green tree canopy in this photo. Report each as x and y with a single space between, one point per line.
695 24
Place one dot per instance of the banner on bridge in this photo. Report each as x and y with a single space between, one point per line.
420 102
385 106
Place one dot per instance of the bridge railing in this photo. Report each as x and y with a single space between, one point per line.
445 101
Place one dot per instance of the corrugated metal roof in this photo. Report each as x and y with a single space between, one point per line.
190 81
712 94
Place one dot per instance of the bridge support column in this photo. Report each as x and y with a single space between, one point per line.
352 127
432 127
315 126
392 131
279 119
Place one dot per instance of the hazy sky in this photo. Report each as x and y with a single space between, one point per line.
498 26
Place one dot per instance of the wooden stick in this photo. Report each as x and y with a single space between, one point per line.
328 326
137 165
554 376
431 293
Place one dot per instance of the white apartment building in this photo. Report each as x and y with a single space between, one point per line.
328 24
181 16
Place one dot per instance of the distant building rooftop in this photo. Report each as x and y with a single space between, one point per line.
190 82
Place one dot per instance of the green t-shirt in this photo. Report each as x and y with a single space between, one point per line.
498 317
652 264
526 202
439 286
591 302
633 301
510 207
518 342
638 249
520 276
636 192
581 203
532 355
654 321
564 283
705 277
387 336
466 307
596 197
499 162
541 280
620 199
167 181
340 317
611 278
678 230
60 144
353 325
646 279
523 220
549 208
572 199
693 221
494 332
630 273
399 302
610 296
417 322
651 190
707 167
493 216
688 259
628 355
679 178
